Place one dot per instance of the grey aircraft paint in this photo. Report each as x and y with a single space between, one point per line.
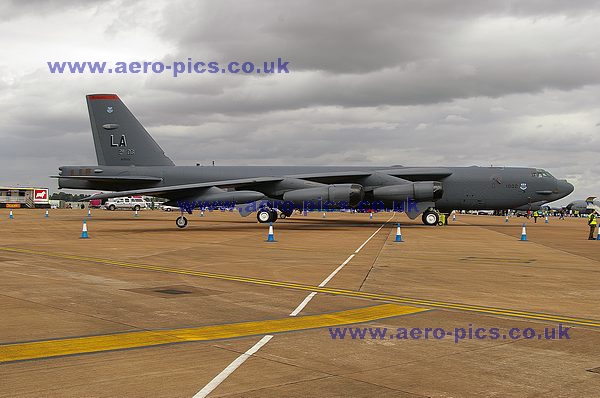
131 162
584 206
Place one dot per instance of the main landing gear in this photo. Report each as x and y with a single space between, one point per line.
433 217
430 217
267 215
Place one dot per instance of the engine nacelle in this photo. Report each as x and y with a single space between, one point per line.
419 191
351 194
215 195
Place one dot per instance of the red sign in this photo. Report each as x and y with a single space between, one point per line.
40 196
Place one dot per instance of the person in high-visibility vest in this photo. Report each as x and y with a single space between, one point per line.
535 216
592 222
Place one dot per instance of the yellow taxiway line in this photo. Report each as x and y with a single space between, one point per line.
119 341
327 290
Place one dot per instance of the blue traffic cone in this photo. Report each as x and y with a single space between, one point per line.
598 235
89 213
201 213
398 234
46 214
324 216
371 216
453 216
84 231
10 215
546 219
506 218
135 214
523 233
271 237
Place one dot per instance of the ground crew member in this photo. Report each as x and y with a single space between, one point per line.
443 220
535 216
592 222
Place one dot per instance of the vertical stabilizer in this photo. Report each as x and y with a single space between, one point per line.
119 138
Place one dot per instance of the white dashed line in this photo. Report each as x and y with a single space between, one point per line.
214 383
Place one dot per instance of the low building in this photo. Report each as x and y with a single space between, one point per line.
24 197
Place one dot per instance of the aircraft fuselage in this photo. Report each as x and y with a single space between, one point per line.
465 188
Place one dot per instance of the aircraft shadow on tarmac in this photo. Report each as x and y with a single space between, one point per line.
213 222
216 224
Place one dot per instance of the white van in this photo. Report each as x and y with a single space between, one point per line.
126 203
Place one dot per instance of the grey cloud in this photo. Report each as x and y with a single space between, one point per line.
377 53
11 9
342 36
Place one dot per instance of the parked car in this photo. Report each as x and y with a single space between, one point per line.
126 203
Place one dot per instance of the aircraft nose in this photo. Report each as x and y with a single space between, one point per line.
564 187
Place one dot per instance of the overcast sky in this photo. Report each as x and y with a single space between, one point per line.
453 83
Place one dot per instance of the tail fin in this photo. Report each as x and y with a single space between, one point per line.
119 138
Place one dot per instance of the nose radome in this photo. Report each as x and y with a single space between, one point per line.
564 187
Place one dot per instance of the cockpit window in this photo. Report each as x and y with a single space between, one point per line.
541 174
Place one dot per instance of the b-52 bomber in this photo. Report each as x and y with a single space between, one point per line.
130 162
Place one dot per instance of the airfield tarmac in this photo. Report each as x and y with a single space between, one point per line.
168 310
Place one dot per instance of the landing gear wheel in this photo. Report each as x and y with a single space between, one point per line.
263 216
430 218
286 213
266 215
181 222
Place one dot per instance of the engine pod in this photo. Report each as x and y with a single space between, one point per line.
424 190
344 194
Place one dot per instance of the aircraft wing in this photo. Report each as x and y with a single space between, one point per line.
332 177
185 189
123 179
419 173
408 173
182 190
